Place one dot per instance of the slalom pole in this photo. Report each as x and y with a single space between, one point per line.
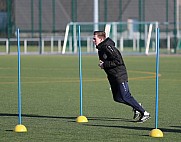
80 72
81 118
19 80
156 132
157 79
19 127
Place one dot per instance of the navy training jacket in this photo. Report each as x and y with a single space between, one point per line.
113 62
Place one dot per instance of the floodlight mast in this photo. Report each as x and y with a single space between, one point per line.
96 15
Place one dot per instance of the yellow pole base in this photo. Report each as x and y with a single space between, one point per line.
20 128
156 133
81 119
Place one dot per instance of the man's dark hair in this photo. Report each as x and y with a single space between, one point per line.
100 34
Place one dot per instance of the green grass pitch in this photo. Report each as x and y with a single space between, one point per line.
50 100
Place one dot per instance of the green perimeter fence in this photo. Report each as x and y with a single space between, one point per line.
130 37
44 26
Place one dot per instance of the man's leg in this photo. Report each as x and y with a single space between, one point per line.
126 96
116 92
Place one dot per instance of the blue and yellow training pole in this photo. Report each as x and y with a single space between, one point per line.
81 118
19 127
156 132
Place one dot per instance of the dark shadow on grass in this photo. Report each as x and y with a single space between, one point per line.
122 127
110 119
72 119
170 130
9 130
176 127
136 128
37 116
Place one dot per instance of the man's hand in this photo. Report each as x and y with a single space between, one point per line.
101 64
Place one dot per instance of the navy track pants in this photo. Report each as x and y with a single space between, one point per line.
121 94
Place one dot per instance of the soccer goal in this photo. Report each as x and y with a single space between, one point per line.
130 37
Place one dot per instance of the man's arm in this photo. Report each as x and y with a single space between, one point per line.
113 58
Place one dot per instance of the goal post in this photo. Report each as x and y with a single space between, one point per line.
148 39
65 39
107 29
151 35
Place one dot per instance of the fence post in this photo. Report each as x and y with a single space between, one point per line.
25 46
59 46
52 44
7 46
